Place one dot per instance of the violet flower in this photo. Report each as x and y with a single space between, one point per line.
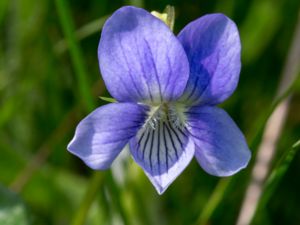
167 89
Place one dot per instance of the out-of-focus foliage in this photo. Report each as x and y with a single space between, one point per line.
41 102
12 210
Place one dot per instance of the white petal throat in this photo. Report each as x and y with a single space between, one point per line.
163 146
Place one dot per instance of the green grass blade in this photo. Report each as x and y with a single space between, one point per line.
3 9
85 31
276 175
297 144
76 56
214 201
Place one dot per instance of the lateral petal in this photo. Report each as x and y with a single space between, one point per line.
221 148
101 136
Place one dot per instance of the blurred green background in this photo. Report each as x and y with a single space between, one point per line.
50 80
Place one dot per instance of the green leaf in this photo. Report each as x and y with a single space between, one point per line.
107 99
12 209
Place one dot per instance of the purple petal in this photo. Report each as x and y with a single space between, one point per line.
212 44
221 148
140 58
101 136
163 153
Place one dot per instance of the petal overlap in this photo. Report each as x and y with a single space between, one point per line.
213 47
221 148
163 152
101 136
140 59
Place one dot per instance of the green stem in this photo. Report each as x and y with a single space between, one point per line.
214 200
93 188
116 198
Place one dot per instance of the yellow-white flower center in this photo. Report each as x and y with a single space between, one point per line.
171 112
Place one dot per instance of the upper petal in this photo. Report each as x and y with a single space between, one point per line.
213 47
221 148
101 136
140 58
163 152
